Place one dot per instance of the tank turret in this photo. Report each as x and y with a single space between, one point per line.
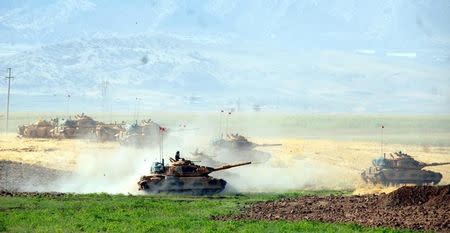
401 168
184 176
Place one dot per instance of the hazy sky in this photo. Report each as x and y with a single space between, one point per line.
306 56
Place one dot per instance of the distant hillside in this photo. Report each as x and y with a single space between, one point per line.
171 72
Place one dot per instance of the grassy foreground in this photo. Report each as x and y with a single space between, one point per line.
121 213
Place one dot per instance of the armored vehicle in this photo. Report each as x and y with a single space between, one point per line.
239 142
183 176
40 129
236 146
401 168
206 159
83 126
108 132
141 135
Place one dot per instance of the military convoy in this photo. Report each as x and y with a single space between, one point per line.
147 133
184 177
401 168
82 126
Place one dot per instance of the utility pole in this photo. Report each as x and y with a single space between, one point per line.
9 77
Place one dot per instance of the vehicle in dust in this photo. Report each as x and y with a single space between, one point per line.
108 132
82 127
184 177
401 168
239 142
146 134
40 129
236 146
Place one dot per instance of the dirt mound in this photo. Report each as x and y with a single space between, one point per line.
419 195
428 209
15 176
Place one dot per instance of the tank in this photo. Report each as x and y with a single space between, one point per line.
236 146
184 177
239 142
206 159
82 127
39 129
146 134
401 168
108 132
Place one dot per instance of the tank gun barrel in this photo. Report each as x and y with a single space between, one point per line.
230 166
434 164
267 145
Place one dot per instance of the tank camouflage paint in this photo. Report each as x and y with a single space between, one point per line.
108 132
146 134
183 177
82 127
238 142
40 129
401 168
236 146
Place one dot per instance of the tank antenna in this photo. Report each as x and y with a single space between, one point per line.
136 108
228 118
162 130
382 128
9 77
221 124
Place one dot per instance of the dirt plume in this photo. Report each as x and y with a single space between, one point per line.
365 190
419 208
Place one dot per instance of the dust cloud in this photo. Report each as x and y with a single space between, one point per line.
300 163
116 172
298 174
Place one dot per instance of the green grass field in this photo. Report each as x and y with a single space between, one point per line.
121 213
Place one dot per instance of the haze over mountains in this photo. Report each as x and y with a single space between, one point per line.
302 56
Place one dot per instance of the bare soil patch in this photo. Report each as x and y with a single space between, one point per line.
419 208
16 176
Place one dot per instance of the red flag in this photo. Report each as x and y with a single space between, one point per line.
162 129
